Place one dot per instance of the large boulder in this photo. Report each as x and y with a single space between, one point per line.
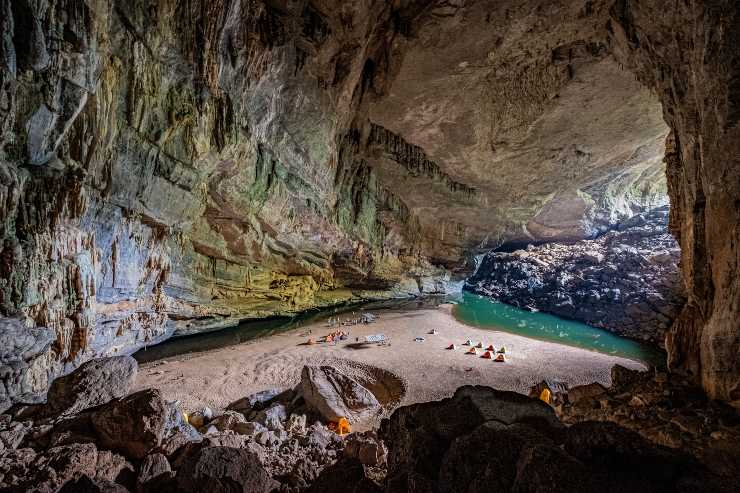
419 436
134 425
223 469
482 440
334 395
95 382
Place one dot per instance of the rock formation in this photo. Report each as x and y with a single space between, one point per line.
171 165
477 438
626 281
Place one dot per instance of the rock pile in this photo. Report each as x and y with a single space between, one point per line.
93 435
626 281
664 408
478 440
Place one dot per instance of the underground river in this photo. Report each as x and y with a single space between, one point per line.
470 309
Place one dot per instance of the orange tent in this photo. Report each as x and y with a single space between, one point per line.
491 348
472 350
501 358
545 396
487 355
340 427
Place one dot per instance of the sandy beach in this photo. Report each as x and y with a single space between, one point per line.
426 370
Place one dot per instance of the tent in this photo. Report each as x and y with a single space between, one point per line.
452 346
500 358
468 343
487 355
491 348
502 350
479 345
472 350
545 396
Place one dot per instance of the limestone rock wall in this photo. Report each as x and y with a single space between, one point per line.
626 281
171 165
689 55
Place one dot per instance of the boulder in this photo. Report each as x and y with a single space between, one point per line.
585 392
419 436
624 377
254 402
152 466
223 469
25 470
134 425
346 476
94 383
272 417
228 420
334 395
366 447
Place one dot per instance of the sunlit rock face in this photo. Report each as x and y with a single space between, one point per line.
180 165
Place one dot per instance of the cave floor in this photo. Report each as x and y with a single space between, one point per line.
428 371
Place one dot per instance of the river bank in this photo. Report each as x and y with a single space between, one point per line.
426 370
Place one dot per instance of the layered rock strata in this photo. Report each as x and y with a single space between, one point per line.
626 281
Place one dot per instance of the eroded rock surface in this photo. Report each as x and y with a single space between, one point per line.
626 281
483 437
335 395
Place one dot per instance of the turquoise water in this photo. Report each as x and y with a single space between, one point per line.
478 311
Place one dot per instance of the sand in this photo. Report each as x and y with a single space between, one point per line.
426 370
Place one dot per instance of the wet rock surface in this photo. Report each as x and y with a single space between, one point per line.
626 281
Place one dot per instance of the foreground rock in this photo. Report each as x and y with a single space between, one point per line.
482 437
94 383
224 469
666 409
626 281
135 425
335 395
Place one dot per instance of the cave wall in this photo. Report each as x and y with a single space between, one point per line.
171 165
689 54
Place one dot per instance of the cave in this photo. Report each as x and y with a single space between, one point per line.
230 229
